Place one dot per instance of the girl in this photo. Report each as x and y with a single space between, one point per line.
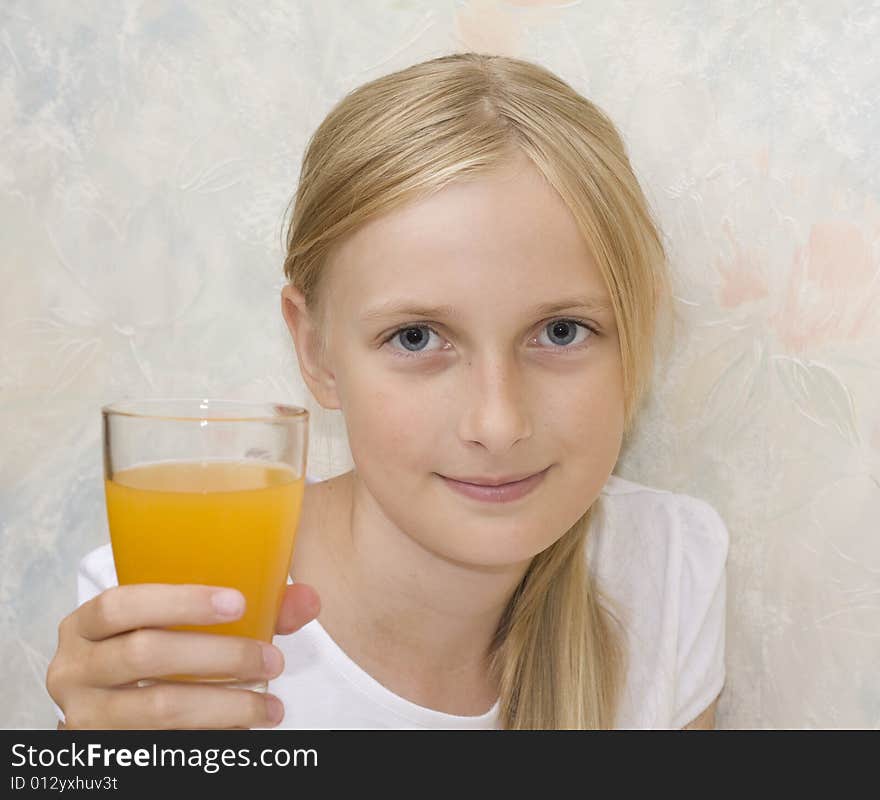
476 282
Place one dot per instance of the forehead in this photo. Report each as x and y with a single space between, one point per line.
505 237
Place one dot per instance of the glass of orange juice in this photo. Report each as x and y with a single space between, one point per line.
207 492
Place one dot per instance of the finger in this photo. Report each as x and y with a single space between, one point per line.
177 706
299 605
151 605
151 653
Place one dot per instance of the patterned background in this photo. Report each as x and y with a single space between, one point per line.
148 151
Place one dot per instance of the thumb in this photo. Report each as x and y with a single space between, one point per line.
299 605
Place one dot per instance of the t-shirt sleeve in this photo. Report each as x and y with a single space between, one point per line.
700 669
96 573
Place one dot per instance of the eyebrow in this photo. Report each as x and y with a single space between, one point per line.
396 308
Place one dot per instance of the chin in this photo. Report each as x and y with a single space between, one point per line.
501 552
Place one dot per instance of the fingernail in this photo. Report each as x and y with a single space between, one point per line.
228 602
271 659
274 709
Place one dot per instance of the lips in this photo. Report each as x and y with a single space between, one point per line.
502 493
478 481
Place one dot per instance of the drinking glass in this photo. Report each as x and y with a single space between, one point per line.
202 491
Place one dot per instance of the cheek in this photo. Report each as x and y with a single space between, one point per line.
587 421
383 427
598 415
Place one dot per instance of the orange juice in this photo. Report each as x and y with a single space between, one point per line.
223 523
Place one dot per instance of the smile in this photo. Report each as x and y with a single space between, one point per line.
504 493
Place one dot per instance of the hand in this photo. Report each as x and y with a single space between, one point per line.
116 639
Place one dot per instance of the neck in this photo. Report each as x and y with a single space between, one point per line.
420 624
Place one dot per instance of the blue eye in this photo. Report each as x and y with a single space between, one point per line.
414 337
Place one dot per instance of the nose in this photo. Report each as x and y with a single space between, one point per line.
497 404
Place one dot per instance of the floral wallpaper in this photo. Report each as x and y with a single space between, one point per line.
148 151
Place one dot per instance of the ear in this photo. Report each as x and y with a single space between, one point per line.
318 377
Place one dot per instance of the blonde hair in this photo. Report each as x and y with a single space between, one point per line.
558 656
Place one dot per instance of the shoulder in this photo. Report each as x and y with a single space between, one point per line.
660 556
639 507
701 523
635 529
658 549
693 521
704 543
702 611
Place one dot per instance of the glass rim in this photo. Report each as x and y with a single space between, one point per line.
248 411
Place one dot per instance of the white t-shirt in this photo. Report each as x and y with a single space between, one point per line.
659 555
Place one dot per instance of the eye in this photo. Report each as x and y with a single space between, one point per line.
413 338
562 332
565 331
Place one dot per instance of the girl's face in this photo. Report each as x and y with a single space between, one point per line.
488 383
